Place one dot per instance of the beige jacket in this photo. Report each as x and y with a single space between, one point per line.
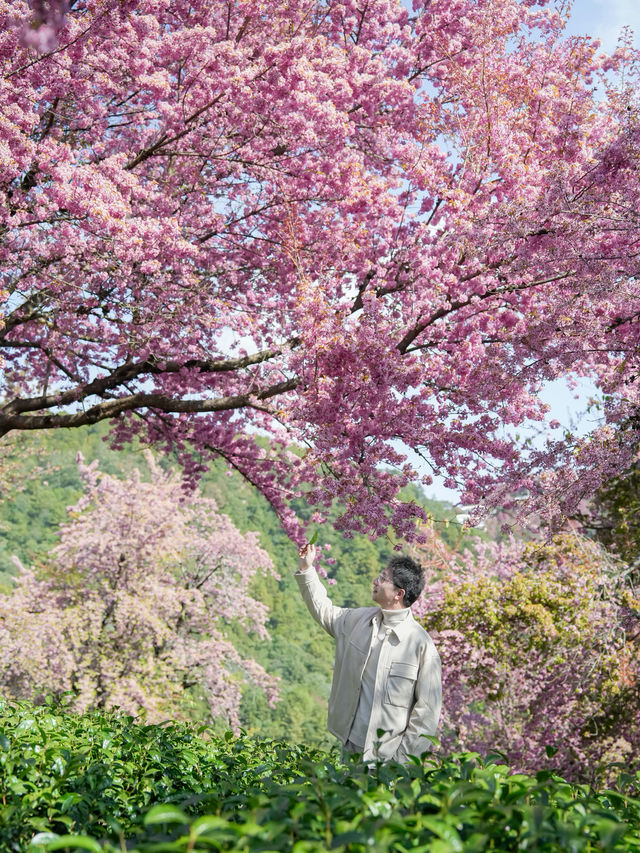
408 690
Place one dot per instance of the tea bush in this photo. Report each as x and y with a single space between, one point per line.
107 784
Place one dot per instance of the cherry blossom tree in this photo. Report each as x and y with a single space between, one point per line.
132 611
539 645
359 227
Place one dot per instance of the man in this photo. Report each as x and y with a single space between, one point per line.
387 670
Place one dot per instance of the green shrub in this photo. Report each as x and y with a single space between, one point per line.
106 784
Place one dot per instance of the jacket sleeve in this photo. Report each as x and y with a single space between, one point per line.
315 597
425 713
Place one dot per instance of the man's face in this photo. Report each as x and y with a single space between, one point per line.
385 593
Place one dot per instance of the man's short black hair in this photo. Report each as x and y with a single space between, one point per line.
409 576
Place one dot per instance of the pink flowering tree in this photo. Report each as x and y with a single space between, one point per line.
359 227
539 645
133 610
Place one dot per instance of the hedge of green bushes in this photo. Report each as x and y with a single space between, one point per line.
107 784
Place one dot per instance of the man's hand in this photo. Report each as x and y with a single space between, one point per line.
306 557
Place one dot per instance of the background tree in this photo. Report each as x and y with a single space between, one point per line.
349 225
612 516
133 610
539 649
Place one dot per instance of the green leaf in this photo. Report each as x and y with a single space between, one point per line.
24 726
43 837
165 813
73 842
207 824
445 831
550 750
314 538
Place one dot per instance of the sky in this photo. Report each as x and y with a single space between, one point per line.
603 19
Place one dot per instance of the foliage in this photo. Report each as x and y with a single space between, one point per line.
22 467
103 783
131 611
613 517
43 482
355 227
95 772
538 657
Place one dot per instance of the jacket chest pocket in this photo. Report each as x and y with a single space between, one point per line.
401 681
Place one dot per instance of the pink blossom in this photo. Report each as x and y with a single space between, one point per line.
537 651
353 230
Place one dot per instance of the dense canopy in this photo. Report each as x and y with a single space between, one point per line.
360 227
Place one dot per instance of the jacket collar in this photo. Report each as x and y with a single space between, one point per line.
401 629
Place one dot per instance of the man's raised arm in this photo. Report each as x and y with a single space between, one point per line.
315 595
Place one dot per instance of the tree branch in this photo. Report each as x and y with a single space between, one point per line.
417 330
162 402
133 370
